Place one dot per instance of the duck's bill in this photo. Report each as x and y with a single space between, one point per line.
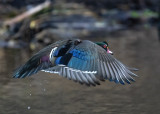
110 52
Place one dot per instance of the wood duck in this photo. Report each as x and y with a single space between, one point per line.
83 61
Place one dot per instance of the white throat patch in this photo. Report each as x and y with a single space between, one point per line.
51 53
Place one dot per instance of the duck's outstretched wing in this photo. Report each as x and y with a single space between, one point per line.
38 62
90 63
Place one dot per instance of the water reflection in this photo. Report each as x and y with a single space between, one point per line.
46 93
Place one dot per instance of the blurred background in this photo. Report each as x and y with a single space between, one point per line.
132 29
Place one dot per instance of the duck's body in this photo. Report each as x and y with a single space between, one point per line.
80 60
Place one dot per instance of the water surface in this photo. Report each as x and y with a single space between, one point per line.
46 93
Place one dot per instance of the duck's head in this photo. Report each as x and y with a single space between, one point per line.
104 45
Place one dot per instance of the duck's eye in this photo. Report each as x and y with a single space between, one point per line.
104 46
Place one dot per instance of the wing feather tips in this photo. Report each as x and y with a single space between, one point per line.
27 70
16 73
31 67
22 73
132 69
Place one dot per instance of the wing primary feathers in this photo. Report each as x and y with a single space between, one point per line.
116 74
115 71
122 72
102 68
127 74
30 72
106 70
24 75
111 72
99 68
119 73
133 69
112 77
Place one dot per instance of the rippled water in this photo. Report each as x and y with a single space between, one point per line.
46 93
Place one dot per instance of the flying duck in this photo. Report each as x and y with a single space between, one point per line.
83 61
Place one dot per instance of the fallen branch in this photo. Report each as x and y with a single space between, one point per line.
27 13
